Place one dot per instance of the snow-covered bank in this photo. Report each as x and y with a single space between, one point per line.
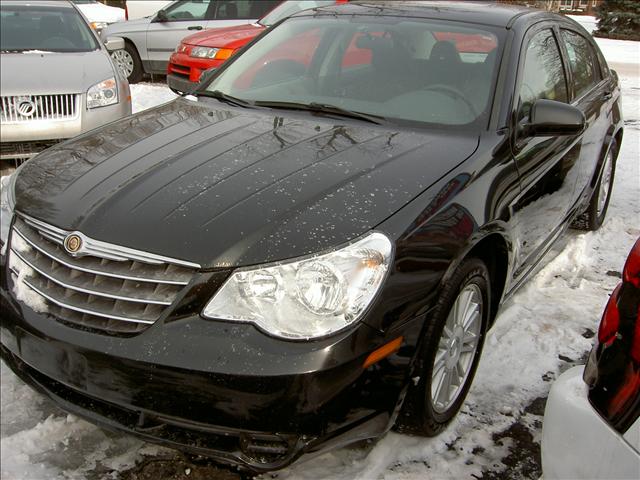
548 319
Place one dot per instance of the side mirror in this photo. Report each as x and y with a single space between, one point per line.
549 118
114 43
161 16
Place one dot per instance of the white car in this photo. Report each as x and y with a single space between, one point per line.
592 426
98 14
143 8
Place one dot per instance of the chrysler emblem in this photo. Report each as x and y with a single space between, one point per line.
26 107
73 243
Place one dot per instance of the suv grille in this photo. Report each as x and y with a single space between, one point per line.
109 288
25 108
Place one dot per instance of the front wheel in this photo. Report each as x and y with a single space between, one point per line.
128 62
450 352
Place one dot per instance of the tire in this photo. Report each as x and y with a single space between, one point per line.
129 63
429 407
593 217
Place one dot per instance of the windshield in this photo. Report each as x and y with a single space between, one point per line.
51 29
288 8
401 69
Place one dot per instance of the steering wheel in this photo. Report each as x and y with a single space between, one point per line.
453 93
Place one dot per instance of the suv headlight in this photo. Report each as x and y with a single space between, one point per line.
103 94
306 298
204 52
7 204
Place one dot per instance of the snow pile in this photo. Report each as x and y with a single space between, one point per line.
22 291
548 319
147 95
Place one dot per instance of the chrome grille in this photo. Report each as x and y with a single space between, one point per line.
26 108
110 288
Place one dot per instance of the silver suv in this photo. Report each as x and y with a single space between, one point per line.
57 78
150 41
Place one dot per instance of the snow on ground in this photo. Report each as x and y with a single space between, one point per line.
589 22
147 95
539 333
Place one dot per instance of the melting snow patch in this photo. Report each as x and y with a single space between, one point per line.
22 291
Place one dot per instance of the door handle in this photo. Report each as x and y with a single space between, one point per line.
607 95
195 27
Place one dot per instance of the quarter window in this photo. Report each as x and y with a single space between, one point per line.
243 9
583 62
543 76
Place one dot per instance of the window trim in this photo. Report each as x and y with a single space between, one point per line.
573 98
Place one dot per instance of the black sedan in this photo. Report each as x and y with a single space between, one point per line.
308 250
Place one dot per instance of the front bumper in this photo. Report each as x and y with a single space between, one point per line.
190 68
213 388
180 84
576 441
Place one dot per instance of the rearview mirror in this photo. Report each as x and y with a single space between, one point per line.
549 118
161 16
114 43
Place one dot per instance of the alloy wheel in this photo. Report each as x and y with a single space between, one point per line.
456 349
124 62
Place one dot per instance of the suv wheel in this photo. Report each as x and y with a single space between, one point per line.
128 61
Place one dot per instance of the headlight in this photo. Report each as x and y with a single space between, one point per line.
103 94
306 298
7 204
204 52
99 26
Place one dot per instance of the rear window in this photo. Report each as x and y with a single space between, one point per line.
51 29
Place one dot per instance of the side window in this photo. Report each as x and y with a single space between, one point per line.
582 61
243 9
543 76
188 10
260 8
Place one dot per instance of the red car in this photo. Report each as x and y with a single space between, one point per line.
210 48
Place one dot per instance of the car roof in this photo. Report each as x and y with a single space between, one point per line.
487 13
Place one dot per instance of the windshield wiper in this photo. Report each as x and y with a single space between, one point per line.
324 108
223 97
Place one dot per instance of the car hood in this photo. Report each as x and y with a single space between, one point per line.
129 26
32 73
229 187
97 12
229 37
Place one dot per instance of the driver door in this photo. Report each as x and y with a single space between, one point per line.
183 18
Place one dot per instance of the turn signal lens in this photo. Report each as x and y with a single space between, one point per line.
224 53
383 352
